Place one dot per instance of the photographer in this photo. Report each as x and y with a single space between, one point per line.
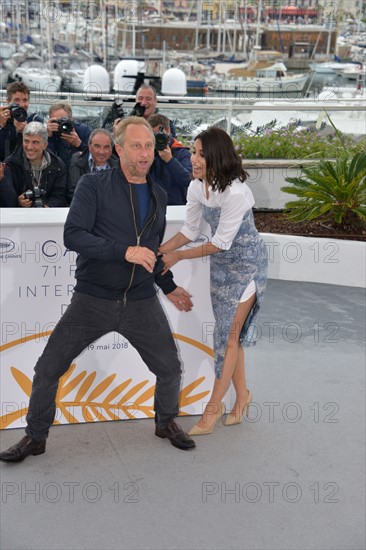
146 97
145 106
33 176
66 136
100 155
172 167
14 118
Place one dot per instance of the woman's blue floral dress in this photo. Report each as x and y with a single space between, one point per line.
243 257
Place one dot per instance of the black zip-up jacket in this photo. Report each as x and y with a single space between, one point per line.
102 223
18 178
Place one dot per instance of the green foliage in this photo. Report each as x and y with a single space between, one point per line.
292 142
335 189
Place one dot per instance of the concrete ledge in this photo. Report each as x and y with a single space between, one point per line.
317 260
267 176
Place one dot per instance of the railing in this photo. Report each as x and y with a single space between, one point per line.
229 110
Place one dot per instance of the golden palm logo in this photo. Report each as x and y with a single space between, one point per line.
122 401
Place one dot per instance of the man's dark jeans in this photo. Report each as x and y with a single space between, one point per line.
87 318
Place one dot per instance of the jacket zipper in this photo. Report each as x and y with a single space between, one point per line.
138 239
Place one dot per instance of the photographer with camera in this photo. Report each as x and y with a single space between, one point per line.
14 118
145 106
172 167
100 155
146 97
33 176
66 136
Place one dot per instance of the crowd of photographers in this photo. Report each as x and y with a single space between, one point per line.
40 165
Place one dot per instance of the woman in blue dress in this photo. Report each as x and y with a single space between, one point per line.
219 195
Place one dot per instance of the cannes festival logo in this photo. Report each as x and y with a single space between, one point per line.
6 245
108 399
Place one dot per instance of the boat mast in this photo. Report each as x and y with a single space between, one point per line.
259 13
91 43
219 32
233 49
245 29
27 17
199 23
133 18
103 8
49 39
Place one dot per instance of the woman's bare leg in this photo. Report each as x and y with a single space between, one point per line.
240 384
234 361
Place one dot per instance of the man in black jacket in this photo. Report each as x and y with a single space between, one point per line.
33 176
115 223
11 129
70 136
172 167
99 156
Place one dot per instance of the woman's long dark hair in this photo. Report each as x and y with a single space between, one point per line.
223 164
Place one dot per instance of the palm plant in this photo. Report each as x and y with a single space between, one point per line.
332 189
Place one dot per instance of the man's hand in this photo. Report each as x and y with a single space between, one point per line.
142 256
181 299
25 203
2 170
19 126
4 116
166 154
52 127
115 125
72 138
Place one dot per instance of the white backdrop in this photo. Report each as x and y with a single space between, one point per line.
109 380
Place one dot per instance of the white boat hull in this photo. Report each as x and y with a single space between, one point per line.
252 85
354 74
37 79
330 67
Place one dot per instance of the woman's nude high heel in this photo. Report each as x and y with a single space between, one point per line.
196 430
232 419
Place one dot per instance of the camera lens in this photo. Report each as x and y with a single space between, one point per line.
65 126
17 112
161 141
138 110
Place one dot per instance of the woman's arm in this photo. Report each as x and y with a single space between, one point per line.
175 242
171 258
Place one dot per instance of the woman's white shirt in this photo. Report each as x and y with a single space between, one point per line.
234 202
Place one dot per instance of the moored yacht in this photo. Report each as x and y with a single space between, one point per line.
257 79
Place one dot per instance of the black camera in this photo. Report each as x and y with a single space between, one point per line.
138 110
17 112
161 140
37 196
115 112
65 126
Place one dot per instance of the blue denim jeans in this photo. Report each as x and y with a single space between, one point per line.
143 323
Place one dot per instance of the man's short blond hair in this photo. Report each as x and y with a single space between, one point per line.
120 130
